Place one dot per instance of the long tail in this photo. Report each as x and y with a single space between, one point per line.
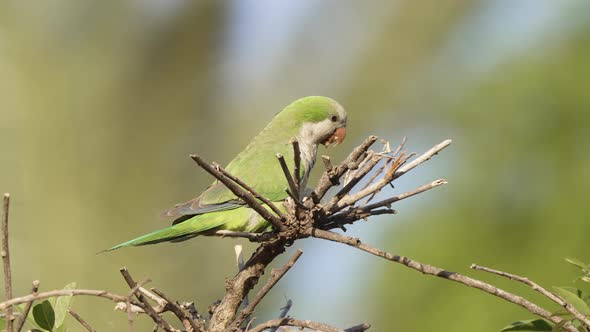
175 233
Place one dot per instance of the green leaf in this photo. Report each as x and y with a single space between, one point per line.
572 296
44 315
2 324
30 319
529 325
62 304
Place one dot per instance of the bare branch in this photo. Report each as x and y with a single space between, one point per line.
159 300
392 174
237 288
63 292
276 275
438 272
288 321
292 187
189 324
245 196
254 237
351 199
5 253
419 190
296 201
424 157
296 167
351 216
146 305
553 297
330 178
373 159
265 200
25 313
82 321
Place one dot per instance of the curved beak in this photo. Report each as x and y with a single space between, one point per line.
337 137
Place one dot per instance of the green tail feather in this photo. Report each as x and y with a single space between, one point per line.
175 233
162 235
240 219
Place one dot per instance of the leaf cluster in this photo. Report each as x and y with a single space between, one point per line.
48 315
577 297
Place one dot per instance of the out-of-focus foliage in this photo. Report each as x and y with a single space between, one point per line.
101 103
572 295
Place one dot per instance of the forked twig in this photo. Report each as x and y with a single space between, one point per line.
189 324
276 275
146 305
536 287
355 157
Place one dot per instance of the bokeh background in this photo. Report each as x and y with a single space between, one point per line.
101 102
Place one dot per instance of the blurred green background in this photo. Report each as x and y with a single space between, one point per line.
101 102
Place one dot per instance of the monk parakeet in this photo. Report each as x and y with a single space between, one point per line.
311 120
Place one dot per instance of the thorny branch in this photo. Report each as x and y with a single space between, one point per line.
305 217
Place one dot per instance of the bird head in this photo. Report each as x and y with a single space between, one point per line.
322 120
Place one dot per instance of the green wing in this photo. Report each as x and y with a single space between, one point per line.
257 166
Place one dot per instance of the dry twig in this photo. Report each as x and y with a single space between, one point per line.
296 167
146 305
81 321
5 253
265 200
190 325
246 196
441 273
288 321
276 275
293 188
25 313
63 292
552 296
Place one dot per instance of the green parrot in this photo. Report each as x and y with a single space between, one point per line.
311 120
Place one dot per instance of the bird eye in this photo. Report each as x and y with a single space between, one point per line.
334 118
